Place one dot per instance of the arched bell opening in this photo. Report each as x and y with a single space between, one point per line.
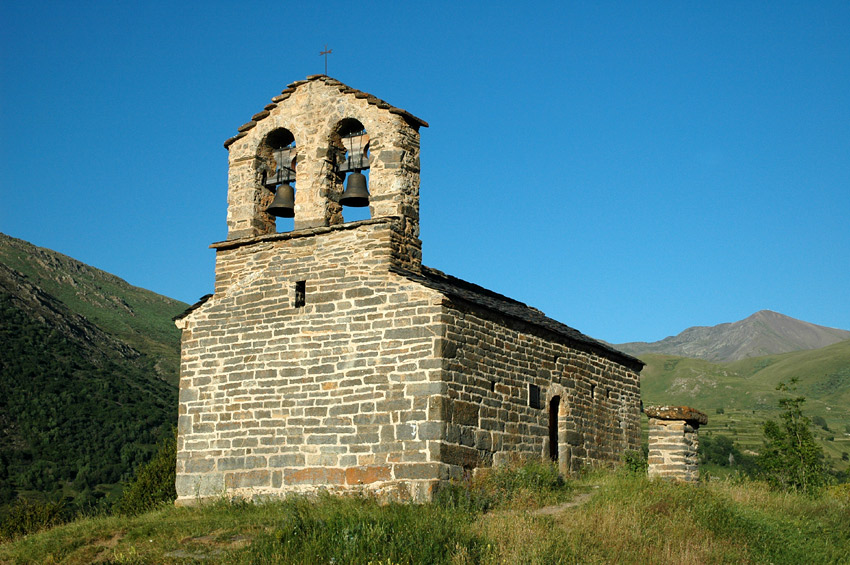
278 177
352 167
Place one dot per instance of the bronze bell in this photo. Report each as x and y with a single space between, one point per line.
283 205
356 194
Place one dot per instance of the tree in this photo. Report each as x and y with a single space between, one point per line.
791 459
154 482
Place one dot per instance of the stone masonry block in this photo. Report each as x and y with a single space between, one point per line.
366 475
247 479
464 413
420 471
466 457
314 476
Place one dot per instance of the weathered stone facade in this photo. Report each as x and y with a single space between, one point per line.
674 442
330 358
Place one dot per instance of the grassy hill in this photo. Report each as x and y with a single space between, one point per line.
739 395
601 518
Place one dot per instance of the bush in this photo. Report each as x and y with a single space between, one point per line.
720 450
29 516
635 462
464 496
820 422
153 484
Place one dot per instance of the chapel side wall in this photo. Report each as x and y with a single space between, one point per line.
334 394
488 363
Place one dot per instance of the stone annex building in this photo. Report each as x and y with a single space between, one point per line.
330 358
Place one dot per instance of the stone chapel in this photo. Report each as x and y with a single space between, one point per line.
329 358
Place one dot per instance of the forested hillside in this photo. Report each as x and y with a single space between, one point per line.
86 393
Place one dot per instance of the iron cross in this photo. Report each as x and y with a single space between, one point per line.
326 52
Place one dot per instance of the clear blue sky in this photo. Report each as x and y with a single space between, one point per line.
630 168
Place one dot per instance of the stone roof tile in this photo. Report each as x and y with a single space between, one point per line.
343 88
454 287
686 413
193 307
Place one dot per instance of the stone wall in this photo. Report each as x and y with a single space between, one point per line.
674 442
489 361
277 398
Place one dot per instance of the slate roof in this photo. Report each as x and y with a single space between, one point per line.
454 287
201 301
345 89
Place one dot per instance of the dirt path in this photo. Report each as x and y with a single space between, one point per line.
577 501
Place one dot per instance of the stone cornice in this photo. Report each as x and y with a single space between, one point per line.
345 89
308 232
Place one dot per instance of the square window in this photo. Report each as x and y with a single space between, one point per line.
300 293
534 396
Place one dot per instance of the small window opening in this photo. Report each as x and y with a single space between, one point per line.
300 294
592 391
492 386
534 396
554 408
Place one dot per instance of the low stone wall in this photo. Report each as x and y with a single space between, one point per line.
673 442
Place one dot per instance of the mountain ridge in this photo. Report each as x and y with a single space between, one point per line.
139 318
763 333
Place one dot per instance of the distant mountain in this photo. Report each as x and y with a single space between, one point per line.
88 368
763 333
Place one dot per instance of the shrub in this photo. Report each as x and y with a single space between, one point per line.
820 422
534 482
154 482
635 462
465 496
27 516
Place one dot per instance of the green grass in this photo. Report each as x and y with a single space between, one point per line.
627 519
